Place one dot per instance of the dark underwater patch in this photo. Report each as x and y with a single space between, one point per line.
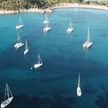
36 102
102 100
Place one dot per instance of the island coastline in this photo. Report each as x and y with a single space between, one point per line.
51 9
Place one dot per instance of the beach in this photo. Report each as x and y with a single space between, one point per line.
36 10
51 9
77 5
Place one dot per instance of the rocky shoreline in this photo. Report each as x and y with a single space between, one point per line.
29 10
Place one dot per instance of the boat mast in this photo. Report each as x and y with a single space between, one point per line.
47 25
88 36
46 18
79 80
39 59
20 20
70 25
19 39
26 45
7 90
11 95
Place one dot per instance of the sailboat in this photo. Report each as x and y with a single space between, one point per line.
19 42
46 20
88 42
79 93
70 29
26 48
39 62
20 25
8 97
47 28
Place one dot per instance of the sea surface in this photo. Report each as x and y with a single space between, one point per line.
54 84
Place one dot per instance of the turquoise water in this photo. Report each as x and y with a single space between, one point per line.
54 84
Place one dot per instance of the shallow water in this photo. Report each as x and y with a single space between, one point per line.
54 84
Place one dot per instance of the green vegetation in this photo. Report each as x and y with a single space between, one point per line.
27 4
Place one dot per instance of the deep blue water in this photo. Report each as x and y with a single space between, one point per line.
54 84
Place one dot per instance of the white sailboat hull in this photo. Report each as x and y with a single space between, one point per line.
87 44
19 26
79 93
69 30
18 45
6 102
26 51
37 65
46 29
